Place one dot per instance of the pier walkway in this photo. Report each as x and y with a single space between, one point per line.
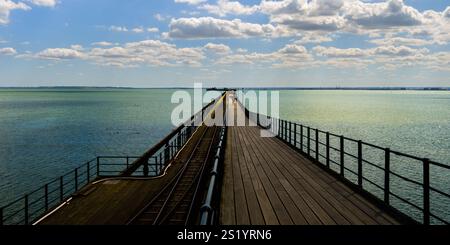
267 182
231 175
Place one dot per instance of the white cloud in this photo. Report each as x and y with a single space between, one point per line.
153 29
6 6
336 52
103 44
208 27
138 30
44 3
393 13
7 51
191 2
225 7
217 48
118 28
60 54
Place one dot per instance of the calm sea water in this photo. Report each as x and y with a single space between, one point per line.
45 133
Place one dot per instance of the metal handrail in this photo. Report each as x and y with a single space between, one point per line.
287 132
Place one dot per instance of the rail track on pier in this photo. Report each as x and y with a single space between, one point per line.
173 205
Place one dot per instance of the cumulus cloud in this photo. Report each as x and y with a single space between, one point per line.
146 52
44 3
59 54
336 52
209 27
217 48
103 44
190 2
6 6
7 51
225 7
389 14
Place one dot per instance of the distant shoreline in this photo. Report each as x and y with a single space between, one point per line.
246 88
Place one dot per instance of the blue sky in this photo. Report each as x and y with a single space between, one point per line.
304 43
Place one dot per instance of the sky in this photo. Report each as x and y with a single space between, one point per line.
267 43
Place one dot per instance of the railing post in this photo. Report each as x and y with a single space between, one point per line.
317 145
290 132
88 171
166 153
426 191
387 171
342 153
285 130
309 141
360 163
46 197
98 166
76 179
61 188
145 167
279 128
1 216
295 135
26 210
328 150
301 138
128 161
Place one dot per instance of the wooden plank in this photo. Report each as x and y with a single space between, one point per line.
331 200
310 198
227 210
284 208
256 216
267 197
349 193
241 209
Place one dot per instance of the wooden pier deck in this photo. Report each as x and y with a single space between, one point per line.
267 182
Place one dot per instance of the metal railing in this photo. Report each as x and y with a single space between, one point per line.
33 205
207 211
415 187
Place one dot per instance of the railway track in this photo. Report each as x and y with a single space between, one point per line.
174 203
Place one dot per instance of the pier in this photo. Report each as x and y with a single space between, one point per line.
230 175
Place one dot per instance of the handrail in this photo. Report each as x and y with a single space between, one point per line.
149 153
207 210
288 133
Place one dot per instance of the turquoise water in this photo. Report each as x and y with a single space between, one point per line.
46 133
415 122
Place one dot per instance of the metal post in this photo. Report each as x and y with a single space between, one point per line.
342 151
128 161
301 138
290 133
387 171
98 166
426 191
328 150
279 127
76 179
166 153
295 135
360 163
317 144
26 210
309 141
46 197
61 188
145 167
